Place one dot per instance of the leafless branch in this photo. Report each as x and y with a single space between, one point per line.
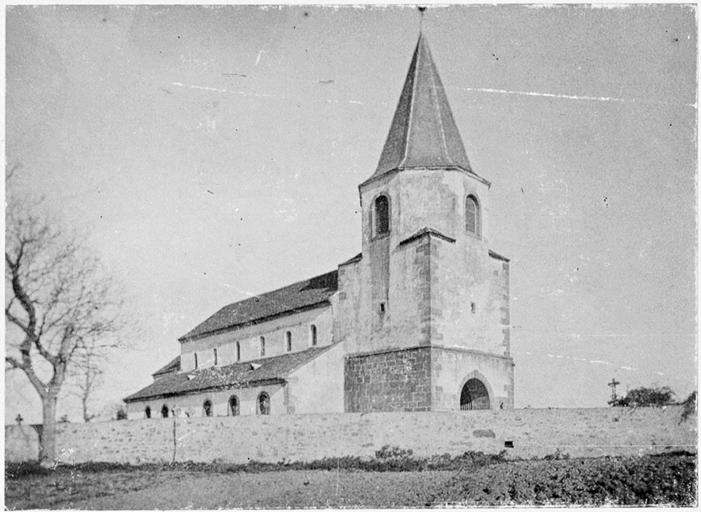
62 308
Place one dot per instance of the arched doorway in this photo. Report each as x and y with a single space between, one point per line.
474 395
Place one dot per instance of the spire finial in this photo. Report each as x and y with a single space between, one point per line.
422 9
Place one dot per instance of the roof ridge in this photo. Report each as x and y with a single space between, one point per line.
407 134
166 368
296 283
427 231
292 297
436 104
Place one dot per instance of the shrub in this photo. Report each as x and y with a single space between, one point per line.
15 470
393 452
637 481
558 455
689 406
645 397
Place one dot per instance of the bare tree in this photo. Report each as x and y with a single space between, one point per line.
58 303
86 375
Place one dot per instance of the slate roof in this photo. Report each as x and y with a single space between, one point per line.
238 375
295 297
172 366
497 256
427 231
354 259
423 132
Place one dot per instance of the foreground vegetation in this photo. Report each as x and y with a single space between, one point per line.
649 480
394 478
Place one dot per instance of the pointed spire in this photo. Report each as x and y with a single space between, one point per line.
423 132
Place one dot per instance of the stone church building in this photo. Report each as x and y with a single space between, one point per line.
418 321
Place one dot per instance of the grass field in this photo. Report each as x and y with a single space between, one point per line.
384 482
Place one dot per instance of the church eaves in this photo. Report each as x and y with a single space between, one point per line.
423 132
267 370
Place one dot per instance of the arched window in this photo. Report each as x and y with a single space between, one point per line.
216 359
472 216
147 411
233 405
238 351
164 410
313 334
195 354
262 346
207 407
264 403
288 341
381 214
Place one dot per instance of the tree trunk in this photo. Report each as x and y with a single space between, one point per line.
47 445
84 402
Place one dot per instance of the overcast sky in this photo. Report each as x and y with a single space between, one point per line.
215 153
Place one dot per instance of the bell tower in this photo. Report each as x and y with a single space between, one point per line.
433 330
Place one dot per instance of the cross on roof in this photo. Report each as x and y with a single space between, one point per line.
613 385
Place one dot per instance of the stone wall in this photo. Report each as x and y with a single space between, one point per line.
423 378
305 437
21 442
390 380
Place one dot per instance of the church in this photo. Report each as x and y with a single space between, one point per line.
418 321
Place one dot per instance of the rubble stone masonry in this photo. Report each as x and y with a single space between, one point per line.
389 380
306 437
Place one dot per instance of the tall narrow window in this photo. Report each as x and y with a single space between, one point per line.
164 410
262 346
195 360
148 412
207 408
288 341
216 359
234 405
381 215
238 351
313 334
472 216
263 403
